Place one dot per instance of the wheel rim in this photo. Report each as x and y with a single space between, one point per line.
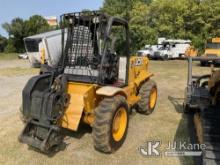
119 124
153 98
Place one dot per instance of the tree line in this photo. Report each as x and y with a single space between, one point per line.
196 20
18 29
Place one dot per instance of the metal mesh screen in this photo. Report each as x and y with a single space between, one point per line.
81 47
81 51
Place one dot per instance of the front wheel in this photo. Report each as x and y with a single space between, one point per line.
148 94
111 124
165 57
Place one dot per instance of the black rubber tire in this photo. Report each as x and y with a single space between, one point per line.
143 106
165 58
103 124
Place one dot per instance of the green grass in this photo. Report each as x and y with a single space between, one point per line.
8 56
17 71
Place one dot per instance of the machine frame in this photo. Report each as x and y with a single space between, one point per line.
86 86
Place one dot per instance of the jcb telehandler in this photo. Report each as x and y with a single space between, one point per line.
96 82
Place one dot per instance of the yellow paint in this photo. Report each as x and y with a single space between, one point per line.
119 124
84 98
213 51
79 95
42 52
153 98
133 100
138 73
191 52
217 40
88 119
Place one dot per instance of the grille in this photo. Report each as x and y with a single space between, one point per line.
82 56
81 51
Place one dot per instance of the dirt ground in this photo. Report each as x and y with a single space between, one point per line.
167 123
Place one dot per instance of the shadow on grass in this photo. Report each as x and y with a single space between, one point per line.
185 131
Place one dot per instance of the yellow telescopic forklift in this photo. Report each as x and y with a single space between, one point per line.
96 82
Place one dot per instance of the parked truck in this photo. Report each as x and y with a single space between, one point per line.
148 50
171 49
48 44
168 49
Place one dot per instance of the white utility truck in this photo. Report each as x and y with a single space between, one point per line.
171 49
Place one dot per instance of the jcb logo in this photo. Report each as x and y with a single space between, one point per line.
150 149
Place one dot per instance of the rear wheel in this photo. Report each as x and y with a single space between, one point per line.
148 94
111 124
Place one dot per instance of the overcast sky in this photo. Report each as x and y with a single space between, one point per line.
10 9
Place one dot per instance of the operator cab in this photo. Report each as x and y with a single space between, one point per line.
96 49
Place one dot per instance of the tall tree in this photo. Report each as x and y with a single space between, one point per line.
141 32
134 11
188 19
3 43
36 24
121 8
18 29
